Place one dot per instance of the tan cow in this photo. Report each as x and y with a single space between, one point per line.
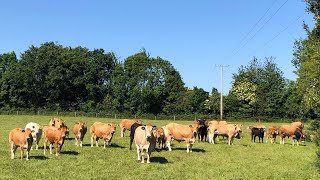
104 131
298 124
79 130
145 140
54 136
230 131
179 132
125 124
272 133
58 123
290 131
212 130
160 137
19 137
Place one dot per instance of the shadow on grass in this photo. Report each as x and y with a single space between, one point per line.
39 157
70 152
68 138
101 145
160 160
193 149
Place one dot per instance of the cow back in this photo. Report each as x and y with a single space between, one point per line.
179 131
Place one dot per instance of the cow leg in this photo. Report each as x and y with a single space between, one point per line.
148 156
45 146
50 147
76 139
37 143
92 140
13 148
142 155
138 152
81 139
131 140
122 132
168 143
21 151
96 138
57 148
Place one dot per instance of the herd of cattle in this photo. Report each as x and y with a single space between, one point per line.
145 136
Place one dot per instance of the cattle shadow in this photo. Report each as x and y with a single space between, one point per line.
75 153
193 149
160 160
39 157
117 146
68 138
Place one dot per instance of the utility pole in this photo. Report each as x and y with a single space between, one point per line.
221 92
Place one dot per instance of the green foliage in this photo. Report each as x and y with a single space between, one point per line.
259 89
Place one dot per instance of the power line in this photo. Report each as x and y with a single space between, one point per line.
262 26
274 37
255 25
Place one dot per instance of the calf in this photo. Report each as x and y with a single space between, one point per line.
202 130
180 132
272 133
104 131
257 132
125 124
79 130
36 131
160 137
212 130
20 138
54 136
145 139
132 131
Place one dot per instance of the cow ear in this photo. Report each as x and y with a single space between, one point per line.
109 124
143 128
154 126
190 125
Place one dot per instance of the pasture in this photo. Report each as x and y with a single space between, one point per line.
243 160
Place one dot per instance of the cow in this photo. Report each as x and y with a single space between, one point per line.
125 124
132 131
298 124
36 131
160 138
212 131
19 137
55 136
272 133
104 131
79 130
230 131
58 123
290 131
145 140
202 130
257 132
179 132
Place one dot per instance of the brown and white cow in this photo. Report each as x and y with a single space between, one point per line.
160 137
290 131
125 124
272 133
19 137
230 131
79 130
179 132
104 131
36 131
54 136
145 140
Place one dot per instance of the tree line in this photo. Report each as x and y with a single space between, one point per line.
58 78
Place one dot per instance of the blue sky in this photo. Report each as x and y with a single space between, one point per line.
195 36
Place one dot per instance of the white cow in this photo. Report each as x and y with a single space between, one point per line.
36 131
145 139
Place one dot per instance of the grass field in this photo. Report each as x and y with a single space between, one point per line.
243 160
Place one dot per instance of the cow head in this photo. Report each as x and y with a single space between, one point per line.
81 126
238 130
150 131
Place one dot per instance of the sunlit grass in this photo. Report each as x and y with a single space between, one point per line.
243 160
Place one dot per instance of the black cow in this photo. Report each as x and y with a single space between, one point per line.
132 130
257 132
202 130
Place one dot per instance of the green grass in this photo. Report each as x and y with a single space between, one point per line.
243 160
